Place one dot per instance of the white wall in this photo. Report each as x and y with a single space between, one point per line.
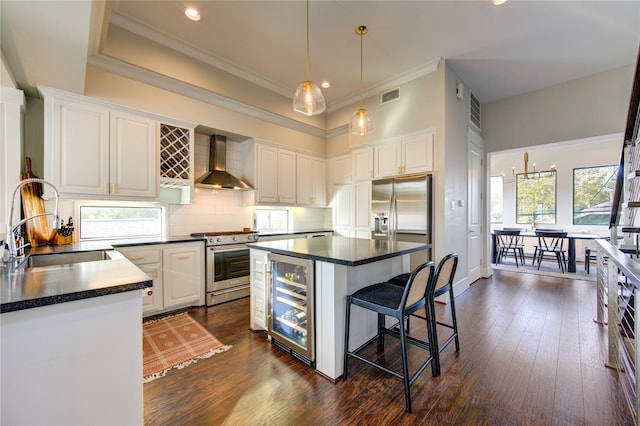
587 107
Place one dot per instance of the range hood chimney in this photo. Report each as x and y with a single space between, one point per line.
217 176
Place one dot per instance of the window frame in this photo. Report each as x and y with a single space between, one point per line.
491 180
120 204
573 193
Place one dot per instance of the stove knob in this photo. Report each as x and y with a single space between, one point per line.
235 238
219 239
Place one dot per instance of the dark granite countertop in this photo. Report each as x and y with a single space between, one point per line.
25 288
340 250
278 233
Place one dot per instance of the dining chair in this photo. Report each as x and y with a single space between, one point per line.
392 300
535 246
552 242
509 240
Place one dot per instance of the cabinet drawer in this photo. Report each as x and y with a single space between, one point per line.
141 256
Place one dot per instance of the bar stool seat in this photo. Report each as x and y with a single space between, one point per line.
398 302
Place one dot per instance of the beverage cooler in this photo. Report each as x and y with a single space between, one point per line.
291 319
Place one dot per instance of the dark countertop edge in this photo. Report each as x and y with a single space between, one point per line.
277 234
71 297
338 261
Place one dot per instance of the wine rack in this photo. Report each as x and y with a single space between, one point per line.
291 304
176 156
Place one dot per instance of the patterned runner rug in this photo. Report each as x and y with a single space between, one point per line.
175 342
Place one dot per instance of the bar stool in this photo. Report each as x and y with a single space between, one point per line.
398 302
444 275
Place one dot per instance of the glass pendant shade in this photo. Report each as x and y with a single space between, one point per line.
361 123
308 99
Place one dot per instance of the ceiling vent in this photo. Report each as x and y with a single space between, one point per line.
474 110
389 96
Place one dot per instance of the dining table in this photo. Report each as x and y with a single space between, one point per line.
571 249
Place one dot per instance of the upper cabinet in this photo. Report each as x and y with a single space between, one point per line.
94 149
311 180
275 179
362 164
411 155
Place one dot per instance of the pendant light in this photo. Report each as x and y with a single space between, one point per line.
361 122
308 99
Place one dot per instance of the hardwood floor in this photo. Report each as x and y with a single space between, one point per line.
530 354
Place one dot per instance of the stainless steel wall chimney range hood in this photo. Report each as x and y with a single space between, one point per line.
217 177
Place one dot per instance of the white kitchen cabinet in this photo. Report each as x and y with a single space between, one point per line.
352 210
93 150
362 164
275 175
258 298
362 208
410 155
341 169
343 208
177 271
149 260
182 274
177 148
310 180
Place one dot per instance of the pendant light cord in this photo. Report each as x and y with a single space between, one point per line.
308 60
361 94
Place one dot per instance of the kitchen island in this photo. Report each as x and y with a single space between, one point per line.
341 266
71 343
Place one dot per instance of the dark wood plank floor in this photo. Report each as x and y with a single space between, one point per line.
530 354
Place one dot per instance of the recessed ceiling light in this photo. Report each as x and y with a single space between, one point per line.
325 84
192 14
498 2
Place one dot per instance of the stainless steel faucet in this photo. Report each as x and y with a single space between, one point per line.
12 248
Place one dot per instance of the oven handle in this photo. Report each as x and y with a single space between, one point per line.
232 247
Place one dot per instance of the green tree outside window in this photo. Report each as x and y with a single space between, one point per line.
536 198
593 189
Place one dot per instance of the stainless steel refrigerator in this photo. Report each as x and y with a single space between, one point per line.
401 209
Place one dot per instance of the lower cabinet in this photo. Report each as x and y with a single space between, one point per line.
177 271
259 270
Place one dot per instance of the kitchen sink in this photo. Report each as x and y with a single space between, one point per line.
34 261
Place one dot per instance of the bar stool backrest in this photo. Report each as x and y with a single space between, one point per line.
445 273
419 288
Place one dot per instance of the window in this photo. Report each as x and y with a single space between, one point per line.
593 189
99 221
536 197
272 220
497 199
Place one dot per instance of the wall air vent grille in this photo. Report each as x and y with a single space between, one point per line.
474 110
389 96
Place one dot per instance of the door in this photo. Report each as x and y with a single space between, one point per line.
475 210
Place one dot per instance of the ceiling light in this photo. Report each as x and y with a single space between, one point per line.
527 174
192 14
308 99
325 84
361 122
498 2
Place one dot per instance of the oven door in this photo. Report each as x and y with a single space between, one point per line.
228 273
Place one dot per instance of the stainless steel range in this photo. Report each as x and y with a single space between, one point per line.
228 265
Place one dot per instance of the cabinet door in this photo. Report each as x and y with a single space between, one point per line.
182 275
154 302
304 179
267 174
343 207
362 206
134 164
286 177
342 169
362 164
77 153
387 160
259 299
417 154
319 184
311 176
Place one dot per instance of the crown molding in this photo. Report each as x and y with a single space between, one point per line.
143 30
388 84
171 84
337 131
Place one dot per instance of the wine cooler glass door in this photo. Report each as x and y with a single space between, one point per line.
291 303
